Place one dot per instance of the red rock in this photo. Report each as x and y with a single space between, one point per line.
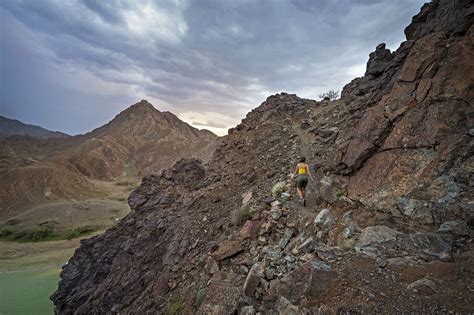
227 249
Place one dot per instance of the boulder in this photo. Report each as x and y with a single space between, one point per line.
269 200
272 253
324 218
247 310
285 196
426 286
224 294
211 266
454 227
286 238
306 282
330 189
253 279
373 235
276 204
249 229
383 241
246 197
418 210
227 249
308 246
276 214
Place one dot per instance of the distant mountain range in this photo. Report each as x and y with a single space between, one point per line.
13 127
36 168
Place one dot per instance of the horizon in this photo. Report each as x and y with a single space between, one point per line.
73 67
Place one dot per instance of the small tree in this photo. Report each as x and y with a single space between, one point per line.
330 95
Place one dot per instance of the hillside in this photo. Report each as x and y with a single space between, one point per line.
11 127
140 140
389 223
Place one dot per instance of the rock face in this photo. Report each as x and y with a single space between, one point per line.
394 158
414 131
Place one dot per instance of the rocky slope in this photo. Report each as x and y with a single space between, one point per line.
11 127
388 226
140 140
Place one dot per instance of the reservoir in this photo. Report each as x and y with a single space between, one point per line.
28 291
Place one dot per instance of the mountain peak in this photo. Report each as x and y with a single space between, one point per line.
142 105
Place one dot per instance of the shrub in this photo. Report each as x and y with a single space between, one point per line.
278 189
340 193
127 183
240 215
195 185
36 234
123 183
176 308
5 231
200 295
41 233
331 95
79 231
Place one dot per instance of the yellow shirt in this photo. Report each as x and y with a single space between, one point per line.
301 170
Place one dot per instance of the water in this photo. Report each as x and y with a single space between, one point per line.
28 291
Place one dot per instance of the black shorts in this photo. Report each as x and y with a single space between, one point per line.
302 181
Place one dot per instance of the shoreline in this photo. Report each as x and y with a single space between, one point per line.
17 256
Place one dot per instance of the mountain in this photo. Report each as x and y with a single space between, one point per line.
140 140
388 227
12 127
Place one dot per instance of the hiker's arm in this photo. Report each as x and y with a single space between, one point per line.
296 172
309 173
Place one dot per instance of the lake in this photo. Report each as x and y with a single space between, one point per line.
28 291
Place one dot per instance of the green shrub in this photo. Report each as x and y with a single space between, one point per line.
41 233
36 234
127 183
6 231
200 296
123 183
278 189
79 231
196 185
176 308
240 215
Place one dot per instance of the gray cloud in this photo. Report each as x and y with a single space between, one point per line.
216 57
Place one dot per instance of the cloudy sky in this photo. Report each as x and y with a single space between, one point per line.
72 65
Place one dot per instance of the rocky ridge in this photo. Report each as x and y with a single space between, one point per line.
389 222
11 127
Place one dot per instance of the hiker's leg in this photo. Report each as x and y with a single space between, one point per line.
302 192
299 192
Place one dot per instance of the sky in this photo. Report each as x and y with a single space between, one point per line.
72 65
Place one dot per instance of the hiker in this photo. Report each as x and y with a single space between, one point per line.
302 173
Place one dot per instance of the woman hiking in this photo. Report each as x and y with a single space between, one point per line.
302 173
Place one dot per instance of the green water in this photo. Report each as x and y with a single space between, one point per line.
28 291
